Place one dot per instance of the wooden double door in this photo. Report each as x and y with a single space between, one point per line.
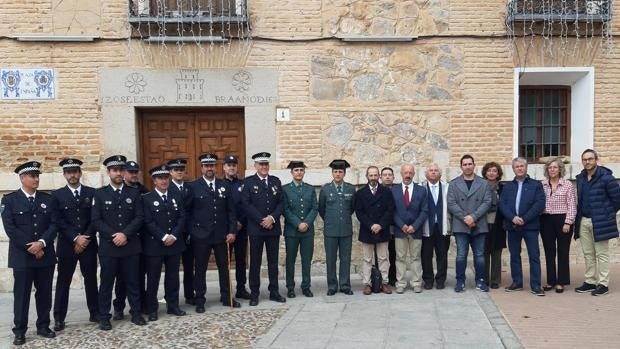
167 134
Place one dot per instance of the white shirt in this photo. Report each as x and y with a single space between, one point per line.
410 188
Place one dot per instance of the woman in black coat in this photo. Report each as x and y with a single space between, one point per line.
496 238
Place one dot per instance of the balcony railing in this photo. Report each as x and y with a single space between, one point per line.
188 11
560 10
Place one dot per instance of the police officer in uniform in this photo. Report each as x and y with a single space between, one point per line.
76 241
241 240
164 216
117 216
29 220
211 227
179 185
130 179
336 205
300 209
261 198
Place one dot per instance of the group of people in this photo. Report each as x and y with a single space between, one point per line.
132 232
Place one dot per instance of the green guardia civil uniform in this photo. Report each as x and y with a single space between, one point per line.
336 206
300 206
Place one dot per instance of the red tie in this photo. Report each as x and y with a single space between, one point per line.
406 196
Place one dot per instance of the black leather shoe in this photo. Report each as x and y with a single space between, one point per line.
46 332
200 309
347 292
494 285
105 325
59 325
176 311
242 294
93 318
276 297
118 315
20 339
235 304
290 293
307 292
428 285
253 302
190 301
153 317
331 292
138 320
440 285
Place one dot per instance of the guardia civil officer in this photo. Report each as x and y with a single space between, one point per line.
76 241
29 220
211 227
117 216
164 216
261 198
179 184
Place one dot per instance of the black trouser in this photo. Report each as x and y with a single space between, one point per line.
392 259
554 240
202 252
272 244
127 270
120 290
439 244
188 271
241 254
42 279
66 268
171 281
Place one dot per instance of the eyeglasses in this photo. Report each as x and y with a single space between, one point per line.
588 159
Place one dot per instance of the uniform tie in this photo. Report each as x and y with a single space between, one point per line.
339 189
373 190
164 198
31 202
406 197
180 187
265 182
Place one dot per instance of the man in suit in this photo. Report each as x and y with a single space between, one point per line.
300 209
436 231
336 207
117 216
76 241
374 208
130 179
29 219
240 246
387 180
179 185
261 198
211 227
410 213
469 199
164 217
521 203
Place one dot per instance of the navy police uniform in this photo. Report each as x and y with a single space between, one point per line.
262 197
212 218
118 210
30 218
73 205
164 216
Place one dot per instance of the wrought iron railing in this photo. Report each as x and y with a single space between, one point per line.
560 10
188 11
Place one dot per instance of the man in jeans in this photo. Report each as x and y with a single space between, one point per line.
469 199
595 224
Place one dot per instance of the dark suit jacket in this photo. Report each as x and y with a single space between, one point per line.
260 202
74 219
415 214
374 209
24 225
531 205
111 214
160 219
236 186
211 213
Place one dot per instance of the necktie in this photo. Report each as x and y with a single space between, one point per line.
265 182
76 195
211 186
118 192
339 189
180 188
373 190
406 197
163 197
31 202
434 192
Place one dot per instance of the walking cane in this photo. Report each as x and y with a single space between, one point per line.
229 279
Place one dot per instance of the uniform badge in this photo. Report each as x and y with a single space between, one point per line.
43 206
174 202
86 199
222 189
128 200
240 188
155 203
275 190
93 203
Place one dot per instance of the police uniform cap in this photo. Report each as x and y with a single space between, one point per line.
115 161
261 157
296 164
70 164
132 166
231 159
208 159
339 164
28 167
177 163
160 171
